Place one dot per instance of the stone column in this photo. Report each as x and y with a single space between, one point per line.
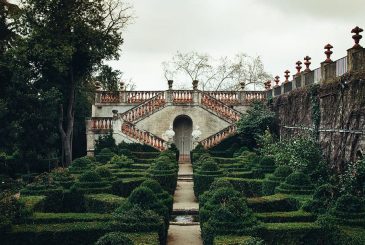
90 138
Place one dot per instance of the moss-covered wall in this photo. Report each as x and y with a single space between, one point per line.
327 112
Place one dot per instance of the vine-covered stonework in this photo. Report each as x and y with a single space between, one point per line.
333 112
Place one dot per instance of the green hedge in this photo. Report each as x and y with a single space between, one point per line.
292 233
282 217
102 203
75 233
146 155
34 203
125 187
237 240
274 203
54 218
248 187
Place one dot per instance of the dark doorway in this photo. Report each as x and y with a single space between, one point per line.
183 127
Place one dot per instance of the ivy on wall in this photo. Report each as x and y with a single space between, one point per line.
315 109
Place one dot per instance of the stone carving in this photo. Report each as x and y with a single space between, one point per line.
196 136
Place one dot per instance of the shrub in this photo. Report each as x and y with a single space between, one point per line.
282 171
114 238
209 166
121 161
104 155
11 209
296 183
247 187
102 203
274 203
323 199
104 172
125 187
90 176
349 204
153 185
81 163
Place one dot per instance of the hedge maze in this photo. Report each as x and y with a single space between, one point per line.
245 198
111 198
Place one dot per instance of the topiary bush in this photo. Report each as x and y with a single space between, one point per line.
114 238
323 199
162 195
164 170
121 161
274 180
90 176
104 155
104 172
205 175
296 183
81 163
267 164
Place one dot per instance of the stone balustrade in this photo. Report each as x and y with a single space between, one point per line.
124 97
146 108
143 136
227 97
134 97
224 111
101 123
215 139
182 96
328 71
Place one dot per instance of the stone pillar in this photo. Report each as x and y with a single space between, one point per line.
169 97
90 138
356 59
170 82
195 84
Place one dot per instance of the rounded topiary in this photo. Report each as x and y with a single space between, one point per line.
104 155
81 162
325 193
143 197
296 183
220 183
282 171
104 172
90 176
121 161
298 179
209 166
153 185
349 204
114 238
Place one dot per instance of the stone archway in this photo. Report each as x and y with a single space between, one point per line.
183 127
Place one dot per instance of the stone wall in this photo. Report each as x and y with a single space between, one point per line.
341 125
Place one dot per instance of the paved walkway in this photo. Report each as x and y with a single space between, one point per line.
184 201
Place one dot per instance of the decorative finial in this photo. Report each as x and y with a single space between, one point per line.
170 82
268 85
298 67
328 53
195 84
307 63
243 85
277 81
287 75
357 36
121 85
97 86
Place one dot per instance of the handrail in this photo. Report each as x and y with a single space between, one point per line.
218 137
143 136
101 123
146 108
225 112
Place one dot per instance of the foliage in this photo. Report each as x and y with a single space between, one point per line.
253 124
104 155
82 162
121 161
114 238
352 179
153 185
105 141
102 203
11 208
90 176
104 172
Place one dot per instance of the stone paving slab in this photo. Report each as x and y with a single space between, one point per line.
184 235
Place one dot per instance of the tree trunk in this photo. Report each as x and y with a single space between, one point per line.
66 129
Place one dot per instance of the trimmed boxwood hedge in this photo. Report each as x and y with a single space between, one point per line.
274 203
125 187
247 187
282 217
237 240
102 203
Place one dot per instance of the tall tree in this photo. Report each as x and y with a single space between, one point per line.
66 41
216 74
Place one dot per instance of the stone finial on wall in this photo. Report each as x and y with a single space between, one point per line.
286 76
268 85
97 86
242 85
328 53
195 84
307 63
357 36
298 67
170 82
277 80
121 85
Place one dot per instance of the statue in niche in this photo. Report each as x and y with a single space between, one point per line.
169 134
195 135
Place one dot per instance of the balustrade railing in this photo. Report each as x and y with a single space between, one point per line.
249 96
225 112
143 136
109 97
139 96
227 97
219 137
146 108
182 96
101 123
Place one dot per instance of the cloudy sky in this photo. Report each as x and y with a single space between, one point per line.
280 31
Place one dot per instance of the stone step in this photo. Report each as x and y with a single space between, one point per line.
193 211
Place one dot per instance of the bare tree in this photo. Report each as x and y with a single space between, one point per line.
216 74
